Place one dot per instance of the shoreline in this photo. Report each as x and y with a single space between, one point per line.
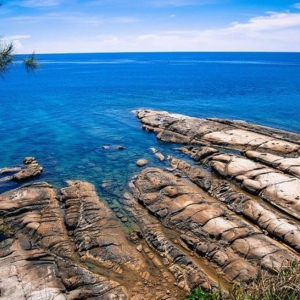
233 212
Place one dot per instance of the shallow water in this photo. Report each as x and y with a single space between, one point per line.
76 103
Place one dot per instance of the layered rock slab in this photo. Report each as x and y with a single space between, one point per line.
268 219
38 259
178 128
233 246
37 274
69 245
30 169
34 211
96 234
272 185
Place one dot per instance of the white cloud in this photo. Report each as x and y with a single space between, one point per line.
15 40
272 21
274 31
271 32
296 5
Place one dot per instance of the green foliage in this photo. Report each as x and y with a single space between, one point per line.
4 230
7 57
199 294
31 63
284 285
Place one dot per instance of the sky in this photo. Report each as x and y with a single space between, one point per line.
71 26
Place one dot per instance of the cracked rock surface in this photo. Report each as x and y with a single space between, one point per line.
69 245
218 217
239 206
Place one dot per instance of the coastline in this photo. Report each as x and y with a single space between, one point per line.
222 219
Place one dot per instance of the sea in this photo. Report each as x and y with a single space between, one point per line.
74 112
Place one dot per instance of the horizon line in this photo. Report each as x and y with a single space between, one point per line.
136 52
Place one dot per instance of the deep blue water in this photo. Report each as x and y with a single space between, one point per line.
76 103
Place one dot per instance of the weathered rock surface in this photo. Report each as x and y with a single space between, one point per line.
268 163
234 247
209 223
268 219
230 134
40 261
96 234
69 245
141 162
30 169
239 206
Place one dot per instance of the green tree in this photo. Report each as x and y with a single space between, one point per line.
8 56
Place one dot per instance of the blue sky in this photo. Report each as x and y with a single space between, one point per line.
67 26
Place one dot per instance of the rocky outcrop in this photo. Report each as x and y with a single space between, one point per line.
93 228
210 221
268 219
267 162
69 245
215 132
237 202
234 247
30 169
38 258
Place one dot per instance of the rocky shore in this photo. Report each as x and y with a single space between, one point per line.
228 212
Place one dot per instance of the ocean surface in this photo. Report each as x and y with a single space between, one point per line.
74 104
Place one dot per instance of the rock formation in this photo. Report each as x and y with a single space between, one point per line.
30 169
69 245
218 218
241 198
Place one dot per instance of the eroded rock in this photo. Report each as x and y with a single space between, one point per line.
141 162
237 135
76 249
209 228
31 169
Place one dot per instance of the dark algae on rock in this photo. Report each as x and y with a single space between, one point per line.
224 208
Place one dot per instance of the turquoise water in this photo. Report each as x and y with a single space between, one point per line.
76 103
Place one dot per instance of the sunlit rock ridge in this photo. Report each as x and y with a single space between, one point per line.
225 206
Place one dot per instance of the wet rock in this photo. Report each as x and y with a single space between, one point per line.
113 147
160 156
31 169
95 232
141 162
9 170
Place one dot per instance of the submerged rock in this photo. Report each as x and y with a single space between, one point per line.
141 162
31 169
